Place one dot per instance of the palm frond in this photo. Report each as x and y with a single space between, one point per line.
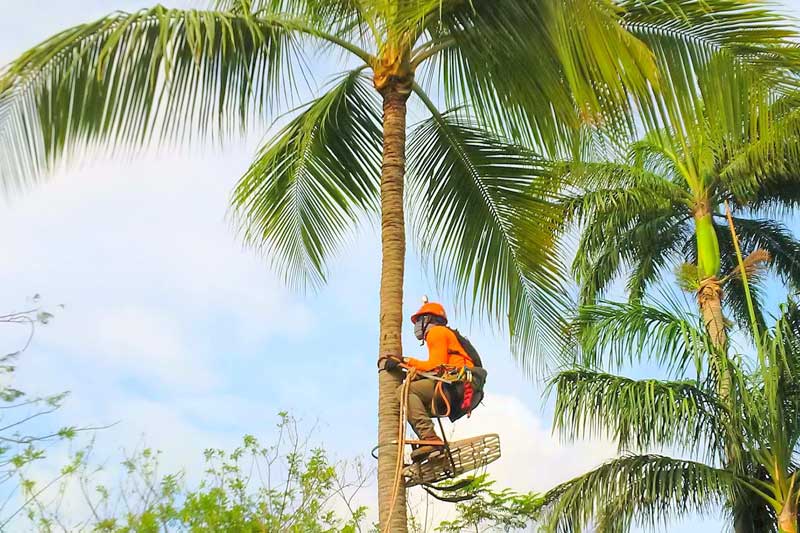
656 244
118 81
774 238
309 185
762 175
567 55
352 20
756 266
648 490
706 50
621 333
634 228
638 414
752 266
741 27
487 228
597 190
775 193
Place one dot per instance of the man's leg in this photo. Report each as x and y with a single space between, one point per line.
420 395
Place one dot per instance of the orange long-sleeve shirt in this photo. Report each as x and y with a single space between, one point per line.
443 349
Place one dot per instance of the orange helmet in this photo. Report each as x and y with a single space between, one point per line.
430 308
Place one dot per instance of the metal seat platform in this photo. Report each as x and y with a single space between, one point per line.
464 456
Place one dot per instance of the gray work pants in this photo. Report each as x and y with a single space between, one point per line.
420 395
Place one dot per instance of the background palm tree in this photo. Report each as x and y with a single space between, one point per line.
519 75
646 208
744 455
656 204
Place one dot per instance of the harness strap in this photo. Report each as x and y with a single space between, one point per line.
462 353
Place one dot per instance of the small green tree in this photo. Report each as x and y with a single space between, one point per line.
23 432
285 487
484 508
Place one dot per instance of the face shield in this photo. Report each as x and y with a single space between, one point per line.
419 327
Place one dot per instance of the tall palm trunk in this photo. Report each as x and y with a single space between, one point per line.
393 247
709 294
709 299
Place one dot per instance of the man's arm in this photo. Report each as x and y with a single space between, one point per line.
437 351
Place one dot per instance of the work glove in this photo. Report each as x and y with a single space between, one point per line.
391 362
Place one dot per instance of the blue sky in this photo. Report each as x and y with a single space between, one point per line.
187 339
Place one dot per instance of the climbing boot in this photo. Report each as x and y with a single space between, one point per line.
423 451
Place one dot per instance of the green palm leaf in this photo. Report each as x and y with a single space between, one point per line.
310 185
615 334
643 489
120 80
774 237
763 175
556 68
638 415
628 216
485 232
706 48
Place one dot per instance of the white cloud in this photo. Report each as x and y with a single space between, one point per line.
532 457
146 343
147 266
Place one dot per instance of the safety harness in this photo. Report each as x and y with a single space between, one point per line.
447 375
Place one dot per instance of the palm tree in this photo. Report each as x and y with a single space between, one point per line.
689 416
657 205
516 74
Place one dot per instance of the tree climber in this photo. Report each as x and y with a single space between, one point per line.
450 356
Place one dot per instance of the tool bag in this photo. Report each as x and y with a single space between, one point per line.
471 391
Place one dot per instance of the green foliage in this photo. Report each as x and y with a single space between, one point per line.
614 334
287 486
638 414
479 219
167 76
253 488
24 434
727 130
636 213
490 509
737 446
314 180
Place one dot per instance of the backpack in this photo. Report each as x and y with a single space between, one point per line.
455 391
472 353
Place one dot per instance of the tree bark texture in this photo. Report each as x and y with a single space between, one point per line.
391 308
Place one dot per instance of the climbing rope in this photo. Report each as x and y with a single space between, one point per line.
401 443
439 391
